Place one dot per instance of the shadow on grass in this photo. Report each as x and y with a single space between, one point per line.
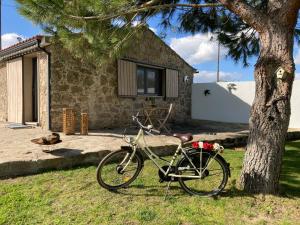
290 179
149 190
290 175
64 152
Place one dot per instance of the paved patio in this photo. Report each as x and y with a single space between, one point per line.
18 156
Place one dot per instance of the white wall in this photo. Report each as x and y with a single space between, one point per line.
233 105
295 103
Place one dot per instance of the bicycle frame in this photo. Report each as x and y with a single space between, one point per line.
140 142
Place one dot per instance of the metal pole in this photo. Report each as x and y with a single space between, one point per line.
218 69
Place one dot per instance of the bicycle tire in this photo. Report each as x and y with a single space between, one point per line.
109 162
202 190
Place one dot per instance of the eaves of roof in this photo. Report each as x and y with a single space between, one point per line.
21 48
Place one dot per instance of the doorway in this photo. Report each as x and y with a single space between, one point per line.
31 105
23 90
34 91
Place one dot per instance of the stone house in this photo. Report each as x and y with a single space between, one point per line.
39 79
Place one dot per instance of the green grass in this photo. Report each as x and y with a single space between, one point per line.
74 197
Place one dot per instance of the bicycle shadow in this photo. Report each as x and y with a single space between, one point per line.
150 191
289 183
177 191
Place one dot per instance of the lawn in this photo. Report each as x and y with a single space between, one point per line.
74 197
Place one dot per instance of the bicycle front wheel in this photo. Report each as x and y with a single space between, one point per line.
116 170
214 174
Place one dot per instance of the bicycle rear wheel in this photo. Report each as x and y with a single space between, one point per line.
214 178
115 171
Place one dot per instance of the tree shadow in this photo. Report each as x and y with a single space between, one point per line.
290 175
289 180
149 190
66 152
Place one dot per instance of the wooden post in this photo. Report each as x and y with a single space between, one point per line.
69 121
84 128
0 24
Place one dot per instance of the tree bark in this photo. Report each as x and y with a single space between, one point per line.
270 111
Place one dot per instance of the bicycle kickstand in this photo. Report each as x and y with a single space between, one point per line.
167 189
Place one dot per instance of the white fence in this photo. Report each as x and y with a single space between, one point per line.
231 102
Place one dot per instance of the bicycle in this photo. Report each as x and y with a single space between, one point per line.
201 170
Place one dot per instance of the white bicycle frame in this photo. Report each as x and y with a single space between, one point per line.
140 142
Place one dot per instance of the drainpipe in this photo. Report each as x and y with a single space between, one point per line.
48 86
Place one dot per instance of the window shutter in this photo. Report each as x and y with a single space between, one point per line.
127 79
171 83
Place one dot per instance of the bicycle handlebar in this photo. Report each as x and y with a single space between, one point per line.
155 131
148 129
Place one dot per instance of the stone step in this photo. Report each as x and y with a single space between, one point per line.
21 168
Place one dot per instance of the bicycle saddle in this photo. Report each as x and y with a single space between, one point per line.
184 137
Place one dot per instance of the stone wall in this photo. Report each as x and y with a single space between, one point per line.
3 93
93 89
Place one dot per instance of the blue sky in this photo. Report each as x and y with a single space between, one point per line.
198 50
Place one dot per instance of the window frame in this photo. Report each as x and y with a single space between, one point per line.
159 85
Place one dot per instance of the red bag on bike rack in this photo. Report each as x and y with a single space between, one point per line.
203 145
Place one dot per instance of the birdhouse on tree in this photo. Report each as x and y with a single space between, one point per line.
280 73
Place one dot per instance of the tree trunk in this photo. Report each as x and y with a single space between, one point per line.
270 112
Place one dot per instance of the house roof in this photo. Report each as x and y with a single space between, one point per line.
165 44
36 37
33 44
21 48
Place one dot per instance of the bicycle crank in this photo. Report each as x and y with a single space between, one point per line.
166 178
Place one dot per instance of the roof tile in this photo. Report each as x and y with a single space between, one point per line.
36 37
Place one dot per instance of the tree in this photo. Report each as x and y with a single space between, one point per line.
266 28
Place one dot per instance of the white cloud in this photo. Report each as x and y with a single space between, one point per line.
197 49
10 39
211 76
118 22
136 23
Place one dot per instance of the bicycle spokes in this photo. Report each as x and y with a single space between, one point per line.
118 169
212 178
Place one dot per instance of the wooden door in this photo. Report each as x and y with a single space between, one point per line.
15 90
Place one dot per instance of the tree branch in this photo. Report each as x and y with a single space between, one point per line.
150 3
144 7
275 4
253 17
286 10
292 4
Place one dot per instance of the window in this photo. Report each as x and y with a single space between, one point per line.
149 81
134 79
